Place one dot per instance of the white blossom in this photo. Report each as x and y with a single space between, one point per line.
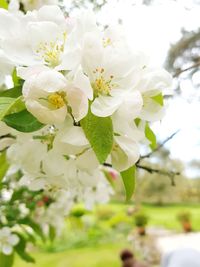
7 240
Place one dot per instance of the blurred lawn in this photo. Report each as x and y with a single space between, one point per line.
107 254
166 216
99 256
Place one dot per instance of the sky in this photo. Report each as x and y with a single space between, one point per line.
153 29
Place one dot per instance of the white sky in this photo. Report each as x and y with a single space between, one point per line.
153 29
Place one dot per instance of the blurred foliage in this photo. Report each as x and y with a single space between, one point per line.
141 219
184 216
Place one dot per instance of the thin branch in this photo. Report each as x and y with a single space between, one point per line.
196 65
170 174
159 146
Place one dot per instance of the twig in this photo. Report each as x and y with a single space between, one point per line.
187 69
159 146
170 174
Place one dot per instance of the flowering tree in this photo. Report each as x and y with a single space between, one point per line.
78 110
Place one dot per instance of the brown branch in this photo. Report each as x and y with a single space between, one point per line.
159 146
196 65
170 174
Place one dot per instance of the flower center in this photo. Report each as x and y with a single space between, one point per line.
101 85
58 99
51 52
106 42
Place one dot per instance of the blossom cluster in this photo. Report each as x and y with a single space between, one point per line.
82 100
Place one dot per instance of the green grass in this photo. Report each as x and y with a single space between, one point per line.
107 256
166 216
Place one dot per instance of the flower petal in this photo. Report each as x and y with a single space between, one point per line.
104 106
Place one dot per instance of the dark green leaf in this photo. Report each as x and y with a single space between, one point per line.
6 260
20 248
3 4
13 92
3 165
23 121
150 136
10 105
99 132
137 121
128 177
159 99
18 82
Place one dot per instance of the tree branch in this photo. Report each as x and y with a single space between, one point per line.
170 174
196 65
159 146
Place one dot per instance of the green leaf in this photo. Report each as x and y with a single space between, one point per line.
13 92
150 136
137 121
6 260
10 105
3 4
20 248
17 80
3 165
23 121
35 227
159 99
128 177
99 132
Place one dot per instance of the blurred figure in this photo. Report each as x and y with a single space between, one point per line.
182 258
128 259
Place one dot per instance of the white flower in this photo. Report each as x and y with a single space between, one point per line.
7 240
112 73
27 155
40 37
152 84
6 66
48 95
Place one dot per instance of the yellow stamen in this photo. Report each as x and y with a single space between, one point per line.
57 99
51 52
102 86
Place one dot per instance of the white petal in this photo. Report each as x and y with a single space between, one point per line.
13 240
104 106
6 142
45 115
155 79
126 155
50 164
20 53
51 81
131 106
42 32
70 59
152 111
87 161
74 136
47 13
82 82
26 73
9 24
7 249
78 102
